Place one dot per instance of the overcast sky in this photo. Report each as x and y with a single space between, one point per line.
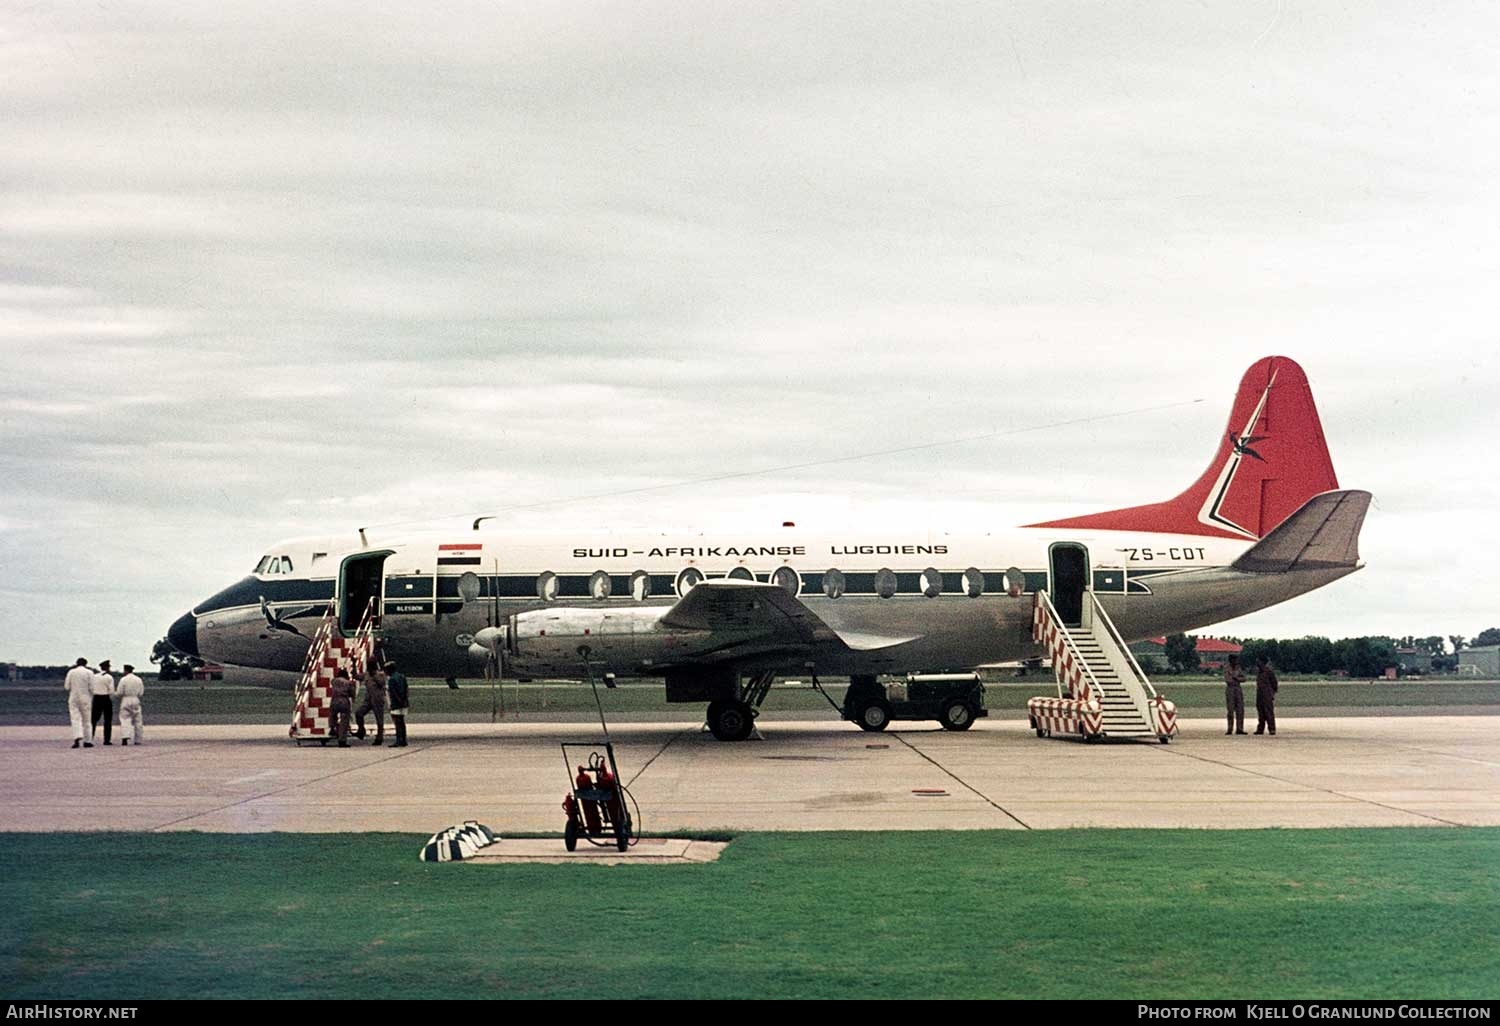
275 269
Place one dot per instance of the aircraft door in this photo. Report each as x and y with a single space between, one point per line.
360 582
1069 580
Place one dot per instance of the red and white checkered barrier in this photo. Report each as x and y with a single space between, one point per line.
311 717
1163 716
1065 716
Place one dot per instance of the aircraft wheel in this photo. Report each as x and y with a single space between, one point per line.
730 721
570 834
876 716
956 715
1164 739
1040 732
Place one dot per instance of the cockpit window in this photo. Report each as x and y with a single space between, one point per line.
273 565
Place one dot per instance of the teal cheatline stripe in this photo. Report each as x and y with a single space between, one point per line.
408 587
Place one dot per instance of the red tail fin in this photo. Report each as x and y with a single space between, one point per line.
1270 461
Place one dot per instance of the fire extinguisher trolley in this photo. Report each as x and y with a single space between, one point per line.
596 805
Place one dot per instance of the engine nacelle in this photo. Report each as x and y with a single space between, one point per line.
622 641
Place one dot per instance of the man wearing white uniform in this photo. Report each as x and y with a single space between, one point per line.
132 723
79 682
103 688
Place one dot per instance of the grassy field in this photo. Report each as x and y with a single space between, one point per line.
32 702
1125 914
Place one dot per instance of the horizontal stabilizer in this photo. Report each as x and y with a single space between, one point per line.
1322 535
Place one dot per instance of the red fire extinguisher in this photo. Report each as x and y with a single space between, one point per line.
590 807
613 804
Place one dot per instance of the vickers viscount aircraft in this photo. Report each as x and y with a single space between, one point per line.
717 616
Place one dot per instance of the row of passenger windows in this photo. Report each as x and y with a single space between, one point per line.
832 582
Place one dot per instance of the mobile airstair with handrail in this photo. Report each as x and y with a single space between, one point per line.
330 650
1101 689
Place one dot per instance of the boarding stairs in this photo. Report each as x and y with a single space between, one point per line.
1101 689
312 718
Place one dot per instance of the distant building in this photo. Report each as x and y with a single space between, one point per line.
10 671
208 671
1212 652
1483 661
1411 660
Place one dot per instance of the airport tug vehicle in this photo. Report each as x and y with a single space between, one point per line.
955 700
596 804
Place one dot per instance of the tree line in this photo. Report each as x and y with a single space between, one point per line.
1366 656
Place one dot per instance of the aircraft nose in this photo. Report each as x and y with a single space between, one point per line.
183 634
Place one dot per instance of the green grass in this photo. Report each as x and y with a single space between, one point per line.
33 702
1390 913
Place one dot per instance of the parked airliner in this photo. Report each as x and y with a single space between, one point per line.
707 613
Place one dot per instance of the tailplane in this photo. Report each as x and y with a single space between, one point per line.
1270 461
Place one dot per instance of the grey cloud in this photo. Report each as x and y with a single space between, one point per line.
522 253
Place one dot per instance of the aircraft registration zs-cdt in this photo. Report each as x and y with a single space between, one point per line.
717 615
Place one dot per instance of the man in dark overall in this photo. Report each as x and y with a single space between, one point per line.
374 701
395 683
343 700
1234 697
1265 697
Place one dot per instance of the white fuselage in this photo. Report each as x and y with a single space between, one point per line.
944 600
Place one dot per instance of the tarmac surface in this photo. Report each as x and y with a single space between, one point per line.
1328 772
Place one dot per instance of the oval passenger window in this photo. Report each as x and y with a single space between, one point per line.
787 579
689 577
1015 582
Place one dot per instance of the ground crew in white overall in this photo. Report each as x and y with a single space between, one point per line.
103 688
79 682
132 722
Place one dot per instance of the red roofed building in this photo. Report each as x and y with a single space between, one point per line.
1212 652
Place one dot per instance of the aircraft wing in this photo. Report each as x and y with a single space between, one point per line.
766 616
1322 535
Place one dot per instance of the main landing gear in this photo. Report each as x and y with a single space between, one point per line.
733 719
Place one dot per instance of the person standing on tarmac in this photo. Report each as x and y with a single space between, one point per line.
1266 686
395 683
132 723
103 689
80 685
374 701
1234 697
342 699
